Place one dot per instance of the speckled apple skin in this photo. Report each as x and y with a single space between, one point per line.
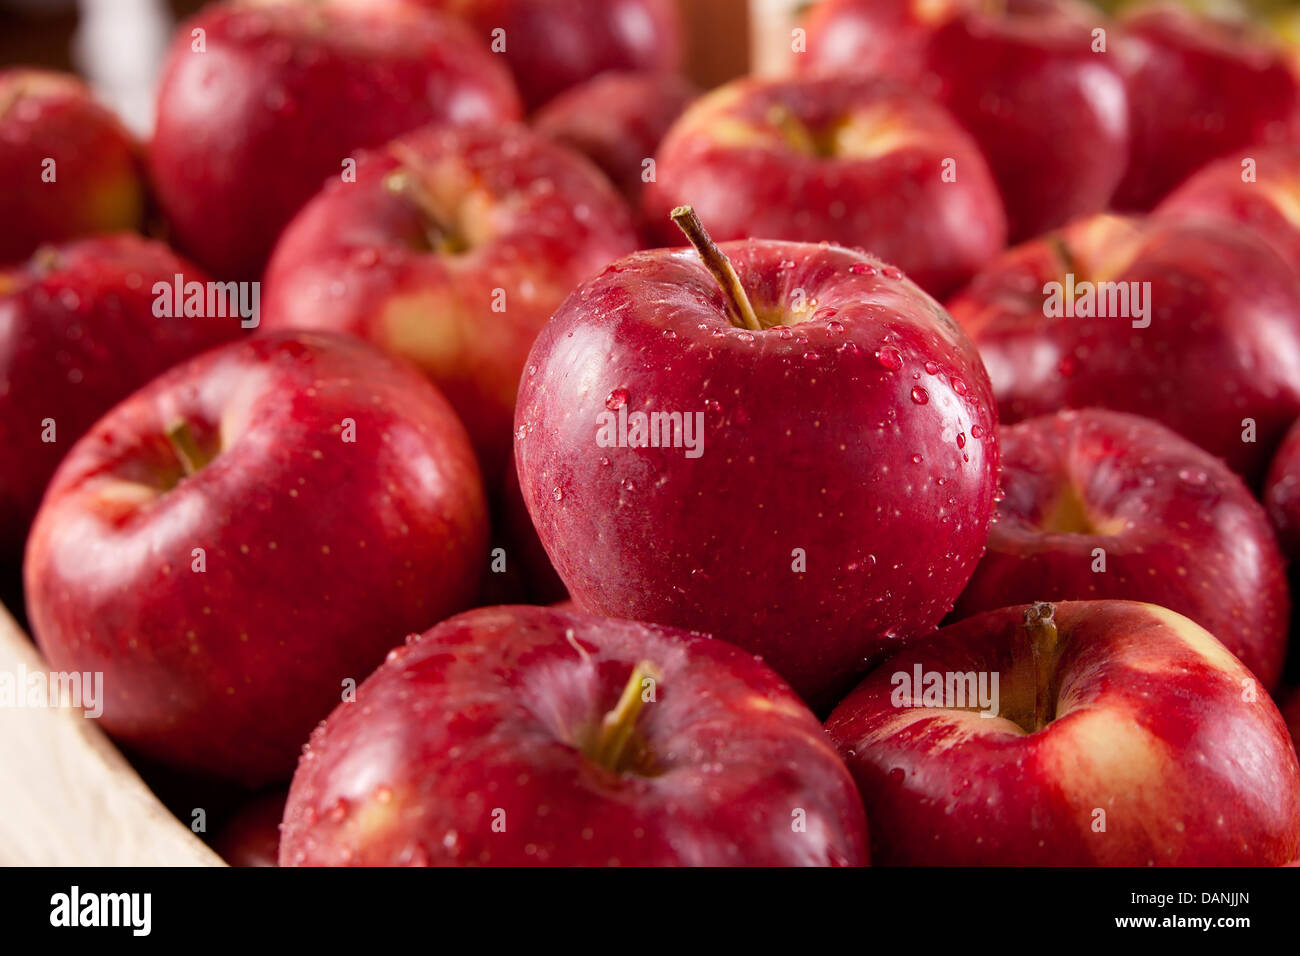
320 553
551 47
1224 308
1152 727
480 721
864 437
248 130
98 182
77 334
542 218
731 157
1195 539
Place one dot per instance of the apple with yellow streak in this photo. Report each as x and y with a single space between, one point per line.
452 249
1123 735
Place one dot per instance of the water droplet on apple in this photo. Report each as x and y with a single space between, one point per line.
977 432
920 395
862 269
890 358
616 399
932 368
961 439
890 272
836 327
746 336
557 494
959 386
917 459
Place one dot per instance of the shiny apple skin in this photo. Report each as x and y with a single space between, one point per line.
552 47
488 714
249 130
98 183
1225 308
1151 726
77 334
1050 115
1199 87
1187 533
1269 206
735 156
617 120
541 220
319 553
811 441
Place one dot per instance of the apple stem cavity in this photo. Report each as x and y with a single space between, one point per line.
1040 627
741 310
187 450
612 747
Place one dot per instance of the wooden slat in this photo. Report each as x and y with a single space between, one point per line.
69 798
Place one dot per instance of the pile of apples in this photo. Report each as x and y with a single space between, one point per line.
637 415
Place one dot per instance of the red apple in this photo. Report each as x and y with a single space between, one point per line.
530 736
69 166
252 529
1123 734
280 96
78 332
251 837
1174 526
1050 114
853 161
617 121
1198 88
551 46
452 248
827 484
1282 494
1257 188
1213 351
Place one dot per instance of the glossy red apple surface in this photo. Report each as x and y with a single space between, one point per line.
1198 88
1218 305
78 332
517 736
238 538
284 92
835 490
452 249
1258 188
69 166
1050 115
617 120
1101 504
857 162
552 46
1123 735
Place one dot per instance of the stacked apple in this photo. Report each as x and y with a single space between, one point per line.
1010 548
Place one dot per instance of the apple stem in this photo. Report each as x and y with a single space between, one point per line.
741 311
406 184
610 748
1040 626
187 449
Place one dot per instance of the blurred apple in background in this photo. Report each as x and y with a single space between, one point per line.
516 736
838 484
452 248
1198 87
69 167
78 332
1122 734
857 162
1174 527
1255 188
552 46
1050 114
1195 325
617 121
283 92
245 533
